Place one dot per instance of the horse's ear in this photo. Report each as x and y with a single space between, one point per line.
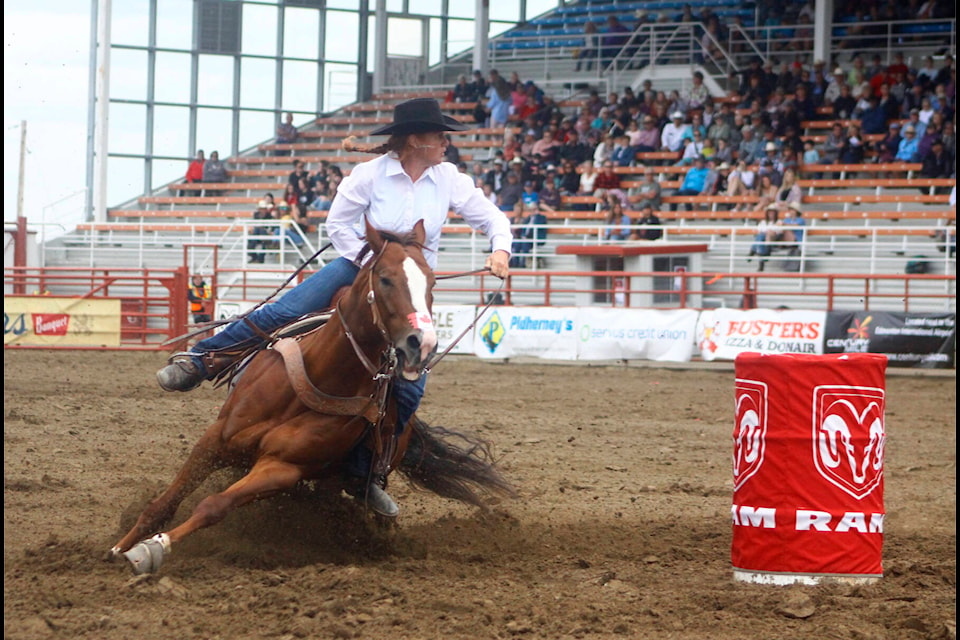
419 233
374 239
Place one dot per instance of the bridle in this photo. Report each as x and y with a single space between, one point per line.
374 406
383 375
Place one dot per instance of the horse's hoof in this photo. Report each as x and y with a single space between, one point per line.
147 556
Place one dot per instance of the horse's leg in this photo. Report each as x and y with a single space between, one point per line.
267 477
205 458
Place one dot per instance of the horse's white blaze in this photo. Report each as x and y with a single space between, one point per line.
417 283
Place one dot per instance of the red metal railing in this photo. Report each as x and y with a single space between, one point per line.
155 309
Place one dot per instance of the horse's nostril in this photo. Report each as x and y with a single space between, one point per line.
413 341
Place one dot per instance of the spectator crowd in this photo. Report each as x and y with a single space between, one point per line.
753 142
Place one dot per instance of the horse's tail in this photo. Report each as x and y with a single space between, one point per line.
452 464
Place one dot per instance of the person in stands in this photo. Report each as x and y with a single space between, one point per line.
214 170
408 182
195 168
287 134
199 295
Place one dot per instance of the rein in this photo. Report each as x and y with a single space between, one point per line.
434 360
207 326
390 353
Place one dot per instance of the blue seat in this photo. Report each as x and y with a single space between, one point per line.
941 27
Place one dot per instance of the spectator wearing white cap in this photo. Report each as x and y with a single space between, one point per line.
671 137
529 139
771 153
909 148
258 242
750 148
834 82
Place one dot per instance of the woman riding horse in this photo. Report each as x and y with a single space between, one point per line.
303 404
407 183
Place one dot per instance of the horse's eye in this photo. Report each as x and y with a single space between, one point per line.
385 282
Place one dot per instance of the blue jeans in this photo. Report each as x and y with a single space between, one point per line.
313 294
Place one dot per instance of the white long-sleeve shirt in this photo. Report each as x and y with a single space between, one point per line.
380 190
671 137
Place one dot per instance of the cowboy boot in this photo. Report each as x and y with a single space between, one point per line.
373 496
187 371
181 375
367 487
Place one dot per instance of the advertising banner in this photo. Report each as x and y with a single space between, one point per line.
586 333
635 334
542 332
722 334
44 320
808 453
451 321
921 340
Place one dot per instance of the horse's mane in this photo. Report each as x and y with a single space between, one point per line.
405 239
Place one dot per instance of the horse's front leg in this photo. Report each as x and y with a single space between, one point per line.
267 477
205 458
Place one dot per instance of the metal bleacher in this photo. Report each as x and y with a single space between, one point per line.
858 225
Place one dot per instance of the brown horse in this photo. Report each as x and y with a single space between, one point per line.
301 405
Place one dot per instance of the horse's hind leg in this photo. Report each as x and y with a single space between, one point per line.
205 458
268 477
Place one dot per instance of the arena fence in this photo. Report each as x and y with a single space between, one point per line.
147 308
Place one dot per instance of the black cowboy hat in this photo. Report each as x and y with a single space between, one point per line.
420 115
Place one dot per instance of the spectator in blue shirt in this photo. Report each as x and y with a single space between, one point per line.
623 154
693 183
909 148
873 119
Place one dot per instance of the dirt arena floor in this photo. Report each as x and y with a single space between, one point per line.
622 528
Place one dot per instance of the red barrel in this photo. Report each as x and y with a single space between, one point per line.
808 468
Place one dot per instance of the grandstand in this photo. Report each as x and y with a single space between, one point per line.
861 218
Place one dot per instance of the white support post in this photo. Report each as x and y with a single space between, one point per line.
481 36
380 47
103 111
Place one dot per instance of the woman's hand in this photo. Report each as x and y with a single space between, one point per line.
499 263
